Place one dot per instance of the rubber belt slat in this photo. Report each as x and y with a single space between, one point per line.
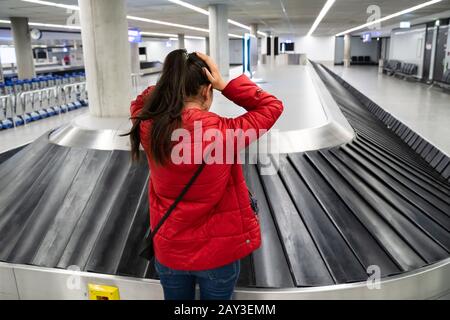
270 262
304 259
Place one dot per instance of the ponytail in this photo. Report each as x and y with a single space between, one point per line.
181 77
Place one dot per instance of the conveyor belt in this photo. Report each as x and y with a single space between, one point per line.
325 217
8 154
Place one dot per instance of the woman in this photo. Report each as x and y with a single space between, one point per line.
214 226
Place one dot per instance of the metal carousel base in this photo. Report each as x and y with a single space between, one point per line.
37 283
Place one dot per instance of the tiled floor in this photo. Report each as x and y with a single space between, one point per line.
423 108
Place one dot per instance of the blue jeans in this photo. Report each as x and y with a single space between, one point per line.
215 284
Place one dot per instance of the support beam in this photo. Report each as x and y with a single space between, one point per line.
272 50
181 44
106 55
207 46
347 50
254 54
254 29
22 45
433 53
135 63
218 36
2 79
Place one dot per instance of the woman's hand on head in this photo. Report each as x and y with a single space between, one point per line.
214 76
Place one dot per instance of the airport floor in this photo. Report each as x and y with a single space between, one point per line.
13 138
291 84
423 108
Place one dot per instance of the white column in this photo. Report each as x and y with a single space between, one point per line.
181 44
347 50
264 55
272 49
135 66
254 44
433 54
254 29
2 79
22 45
106 56
218 36
207 46
135 63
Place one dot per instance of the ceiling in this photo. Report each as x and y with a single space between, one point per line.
299 16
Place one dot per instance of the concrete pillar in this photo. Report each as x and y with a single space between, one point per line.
135 67
181 44
207 46
272 50
433 54
106 56
135 63
254 29
218 36
2 79
22 45
254 32
264 49
254 44
347 50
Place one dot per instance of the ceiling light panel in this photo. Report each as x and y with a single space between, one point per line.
53 4
321 15
158 34
177 25
140 19
190 6
206 12
170 24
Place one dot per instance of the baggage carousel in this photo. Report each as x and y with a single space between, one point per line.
360 208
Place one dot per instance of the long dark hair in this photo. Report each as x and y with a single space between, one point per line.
182 76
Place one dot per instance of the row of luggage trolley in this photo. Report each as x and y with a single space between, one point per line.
24 101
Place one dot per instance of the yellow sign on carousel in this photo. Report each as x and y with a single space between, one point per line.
100 292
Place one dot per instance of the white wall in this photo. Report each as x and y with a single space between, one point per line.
408 46
7 55
5 36
236 51
263 42
447 57
195 45
339 50
316 48
158 49
360 48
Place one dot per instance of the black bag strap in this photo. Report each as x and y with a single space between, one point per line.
177 200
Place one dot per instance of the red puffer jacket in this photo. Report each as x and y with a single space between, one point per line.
214 224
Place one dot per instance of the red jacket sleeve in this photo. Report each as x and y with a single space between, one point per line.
138 104
263 108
